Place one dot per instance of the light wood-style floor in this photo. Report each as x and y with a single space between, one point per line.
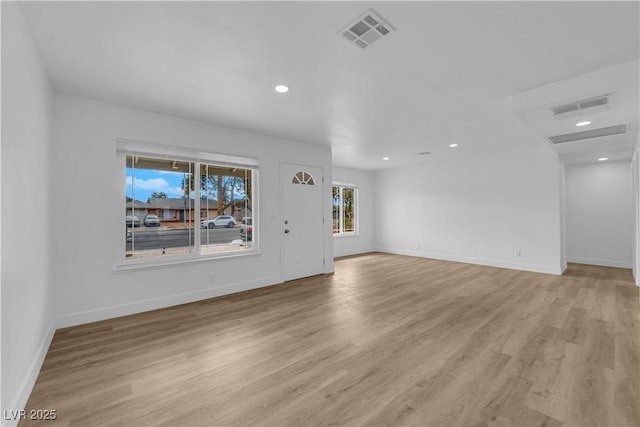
388 340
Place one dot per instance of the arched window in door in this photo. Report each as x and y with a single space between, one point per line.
303 178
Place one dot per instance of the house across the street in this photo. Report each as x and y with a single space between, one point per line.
181 209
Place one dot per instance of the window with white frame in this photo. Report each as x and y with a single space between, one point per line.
345 212
184 204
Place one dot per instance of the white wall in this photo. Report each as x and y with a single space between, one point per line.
563 218
478 210
599 213
27 300
636 210
88 247
364 240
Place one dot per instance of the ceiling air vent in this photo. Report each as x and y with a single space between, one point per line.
593 133
366 29
576 108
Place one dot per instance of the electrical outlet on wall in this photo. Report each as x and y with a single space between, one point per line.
212 279
517 252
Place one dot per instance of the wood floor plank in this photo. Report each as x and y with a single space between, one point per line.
627 356
626 394
575 326
551 386
387 340
502 404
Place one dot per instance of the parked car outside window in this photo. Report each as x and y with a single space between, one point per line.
152 221
219 221
132 221
246 228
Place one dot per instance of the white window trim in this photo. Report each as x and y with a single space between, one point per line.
356 209
142 264
126 147
132 147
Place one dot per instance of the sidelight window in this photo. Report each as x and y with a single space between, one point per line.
345 200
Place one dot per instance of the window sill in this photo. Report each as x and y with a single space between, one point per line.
136 265
341 235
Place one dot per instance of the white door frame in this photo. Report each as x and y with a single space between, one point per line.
283 182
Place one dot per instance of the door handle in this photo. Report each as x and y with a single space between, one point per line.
286 231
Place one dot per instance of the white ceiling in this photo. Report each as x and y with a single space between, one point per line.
480 74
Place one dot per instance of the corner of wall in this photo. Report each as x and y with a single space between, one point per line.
563 218
635 173
27 307
1 422
24 391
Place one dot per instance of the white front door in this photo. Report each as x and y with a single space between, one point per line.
302 226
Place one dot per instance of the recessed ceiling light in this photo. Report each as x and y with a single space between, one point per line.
603 159
453 145
282 88
385 158
586 122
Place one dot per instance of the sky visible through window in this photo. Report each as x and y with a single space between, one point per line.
148 181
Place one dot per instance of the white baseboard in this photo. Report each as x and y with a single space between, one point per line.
478 261
600 262
20 401
339 254
111 312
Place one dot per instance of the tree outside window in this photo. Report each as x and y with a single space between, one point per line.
344 201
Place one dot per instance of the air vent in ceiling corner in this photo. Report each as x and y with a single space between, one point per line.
595 104
587 134
368 28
